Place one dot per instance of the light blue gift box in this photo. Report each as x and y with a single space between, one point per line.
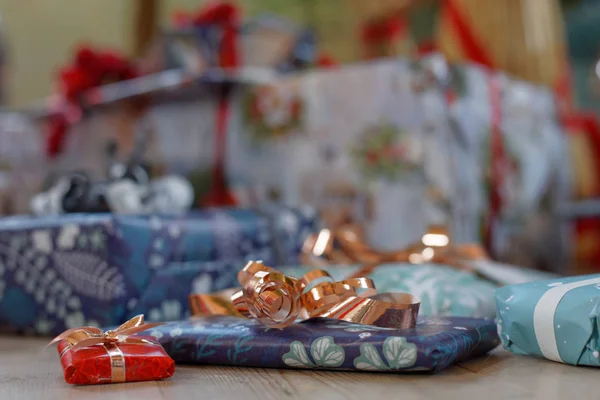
556 319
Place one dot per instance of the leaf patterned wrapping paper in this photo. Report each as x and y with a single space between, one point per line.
433 345
74 270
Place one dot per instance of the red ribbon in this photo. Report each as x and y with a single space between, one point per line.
469 41
426 47
219 194
225 17
565 99
497 159
381 32
89 69
326 61
587 125
586 228
57 130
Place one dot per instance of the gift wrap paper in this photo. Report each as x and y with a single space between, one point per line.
444 291
433 345
73 270
556 319
418 152
355 160
534 178
93 365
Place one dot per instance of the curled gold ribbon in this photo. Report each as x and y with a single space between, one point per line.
347 246
78 338
277 300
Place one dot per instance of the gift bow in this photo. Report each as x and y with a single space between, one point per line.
89 69
224 15
347 246
86 336
381 33
277 300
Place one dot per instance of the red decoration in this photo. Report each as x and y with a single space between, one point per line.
426 47
565 98
497 160
220 194
584 129
57 129
326 61
90 356
89 70
92 365
471 44
226 17
377 36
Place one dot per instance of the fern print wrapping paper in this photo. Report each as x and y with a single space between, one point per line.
433 345
74 270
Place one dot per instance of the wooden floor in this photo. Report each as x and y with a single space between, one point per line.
27 372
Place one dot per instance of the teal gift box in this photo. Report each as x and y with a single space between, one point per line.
443 290
555 319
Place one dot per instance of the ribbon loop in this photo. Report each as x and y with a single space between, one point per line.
347 245
268 295
89 336
277 300
79 338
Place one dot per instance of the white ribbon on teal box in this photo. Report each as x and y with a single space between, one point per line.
556 319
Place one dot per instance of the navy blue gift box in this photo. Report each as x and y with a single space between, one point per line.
74 270
434 344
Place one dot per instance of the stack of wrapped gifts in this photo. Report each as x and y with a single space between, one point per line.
432 182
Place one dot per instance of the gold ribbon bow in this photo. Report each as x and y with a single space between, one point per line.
347 246
277 300
79 338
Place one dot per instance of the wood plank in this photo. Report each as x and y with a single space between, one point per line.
145 23
29 372
547 379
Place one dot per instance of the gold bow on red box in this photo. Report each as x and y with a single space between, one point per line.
90 356
277 300
85 336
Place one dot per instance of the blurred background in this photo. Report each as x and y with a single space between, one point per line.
149 148
393 116
40 35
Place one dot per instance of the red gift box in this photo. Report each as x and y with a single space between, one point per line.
90 356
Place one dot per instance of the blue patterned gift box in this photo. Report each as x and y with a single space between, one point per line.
556 319
433 345
63 272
